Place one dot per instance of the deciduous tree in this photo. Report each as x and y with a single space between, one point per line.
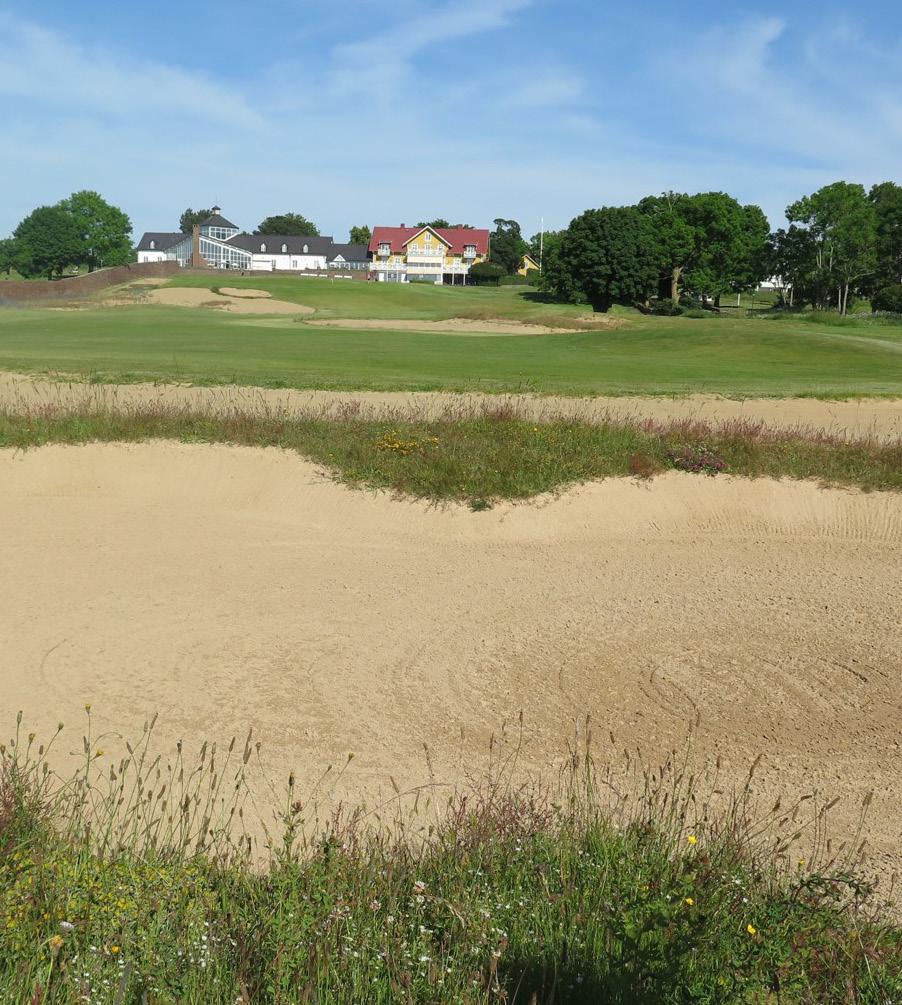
610 256
360 235
105 230
507 246
842 224
49 239
288 223
191 218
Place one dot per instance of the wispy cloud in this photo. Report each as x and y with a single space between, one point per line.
37 64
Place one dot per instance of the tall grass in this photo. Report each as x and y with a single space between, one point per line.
138 884
481 455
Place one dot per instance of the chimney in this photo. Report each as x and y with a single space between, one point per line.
403 225
197 261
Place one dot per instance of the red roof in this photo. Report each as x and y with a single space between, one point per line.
456 237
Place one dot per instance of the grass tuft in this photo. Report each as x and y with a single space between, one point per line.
481 456
623 887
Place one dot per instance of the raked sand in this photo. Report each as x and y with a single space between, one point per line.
226 587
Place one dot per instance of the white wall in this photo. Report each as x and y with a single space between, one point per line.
263 261
151 256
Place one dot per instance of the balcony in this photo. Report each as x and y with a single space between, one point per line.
469 252
437 253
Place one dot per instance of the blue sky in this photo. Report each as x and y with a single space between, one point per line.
364 111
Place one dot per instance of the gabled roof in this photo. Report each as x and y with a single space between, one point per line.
274 242
218 221
349 252
455 237
161 240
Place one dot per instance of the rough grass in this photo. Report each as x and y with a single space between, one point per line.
486 455
132 882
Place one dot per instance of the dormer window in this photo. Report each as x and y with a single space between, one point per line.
263 247
306 248
153 245
284 249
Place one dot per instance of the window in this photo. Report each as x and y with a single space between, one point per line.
153 245
263 247
294 263
428 237
306 248
284 249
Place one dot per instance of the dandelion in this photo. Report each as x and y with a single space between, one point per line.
689 901
55 943
114 949
692 839
751 929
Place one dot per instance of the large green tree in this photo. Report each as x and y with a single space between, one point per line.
842 224
360 235
886 198
105 230
288 223
609 256
12 256
49 240
677 239
507 246
192 218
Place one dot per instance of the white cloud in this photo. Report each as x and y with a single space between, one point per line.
37 64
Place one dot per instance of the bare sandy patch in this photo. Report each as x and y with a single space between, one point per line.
458 326
860 417
228 587
243 294
177 296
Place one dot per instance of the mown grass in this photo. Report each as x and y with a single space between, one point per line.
486 455
734 356
132 883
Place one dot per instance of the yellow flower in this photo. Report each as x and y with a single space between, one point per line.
801 862
55 942
751 929
692 839
114 949
690 901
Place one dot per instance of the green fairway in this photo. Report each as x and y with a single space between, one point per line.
645 355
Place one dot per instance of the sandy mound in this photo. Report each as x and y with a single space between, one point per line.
232 291
877 417
175 296
229 587
458 326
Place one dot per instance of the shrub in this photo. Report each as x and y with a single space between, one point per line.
888 299
486 274
666 308
515 281
697 312
698 459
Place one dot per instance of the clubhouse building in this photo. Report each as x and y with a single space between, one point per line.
426 254
217 243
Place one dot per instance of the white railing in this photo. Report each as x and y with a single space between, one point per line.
426 252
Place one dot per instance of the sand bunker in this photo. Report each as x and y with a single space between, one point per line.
238 302
228 587
458 326
232 291
881 418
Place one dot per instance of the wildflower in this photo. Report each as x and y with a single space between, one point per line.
801 863
55 943
689 901
114 949
98 753
692 839
751 929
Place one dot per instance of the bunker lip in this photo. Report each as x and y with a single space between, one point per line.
860 417
225 587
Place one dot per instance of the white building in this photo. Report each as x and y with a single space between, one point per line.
217 243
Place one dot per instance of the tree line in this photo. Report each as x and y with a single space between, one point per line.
677 249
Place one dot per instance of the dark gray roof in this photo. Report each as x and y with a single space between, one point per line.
218 221
349 252
161 240
274 242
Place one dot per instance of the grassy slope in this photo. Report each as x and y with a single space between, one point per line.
731 356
